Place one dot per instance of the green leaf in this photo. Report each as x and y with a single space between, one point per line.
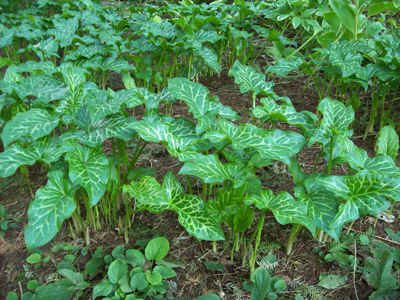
365 193
102 289
349 63
388 142
165 272
157 248
154 278
52 205
12 296
377 271
71 275
250 80
116 271
35 123
262 282
139 281
243 219
286 210
138 173
331 281
137 255
34 258
88 167
345 12
283 66
208 297
213 266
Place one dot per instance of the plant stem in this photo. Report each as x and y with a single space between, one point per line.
134 159
351 225
330 157
259 230
292 237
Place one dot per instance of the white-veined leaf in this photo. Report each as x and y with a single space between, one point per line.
88 167
285 208
35 123
364 193
52 205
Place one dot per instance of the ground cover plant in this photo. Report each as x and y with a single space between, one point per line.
112 104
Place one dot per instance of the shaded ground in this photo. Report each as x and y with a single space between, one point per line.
301 270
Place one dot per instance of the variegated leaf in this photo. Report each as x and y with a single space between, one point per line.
44 88
46 67
35 123
337 117
107 127
149 193
196 97
285 208
349 63
321 205
250 80
52 205
227 202
108 63
46 49
88 167
364 193
283 66
210 169
287 113
209 57
194 217
43 149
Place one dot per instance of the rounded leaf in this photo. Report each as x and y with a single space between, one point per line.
157 248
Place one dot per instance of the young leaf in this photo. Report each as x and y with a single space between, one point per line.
116 271
88 167
157 249
388 142
262 282
165 272
377 271
52 205
102 289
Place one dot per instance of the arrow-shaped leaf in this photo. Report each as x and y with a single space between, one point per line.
88 167
52 205
285 209
364 193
